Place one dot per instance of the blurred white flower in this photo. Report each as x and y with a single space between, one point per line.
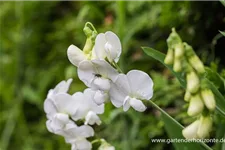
128 90
97 74
107 45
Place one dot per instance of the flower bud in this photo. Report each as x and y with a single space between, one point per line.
205 126
190 131
197 64
169 57
177 66
208 99
179 50
193 82
196 105
187 96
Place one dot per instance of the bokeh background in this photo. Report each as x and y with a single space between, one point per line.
34 37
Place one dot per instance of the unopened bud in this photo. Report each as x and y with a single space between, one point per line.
187 96
177 66
190 131
197 64
208 99
196 105
205 126
169 57
179 50
193 82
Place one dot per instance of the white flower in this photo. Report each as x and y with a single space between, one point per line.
97 74
107 45
81 144
100 97
128 90
86 107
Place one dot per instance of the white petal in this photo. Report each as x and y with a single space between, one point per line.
48 125
101 84
91 118
81 144
119 90
85 131
65 103
114 46
81 106
105 69
49 108
141 84
126 103
137 105
100 46
86 72
61 87
75 55
100 97
89 96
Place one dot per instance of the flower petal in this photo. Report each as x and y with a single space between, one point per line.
101 84
119 90
92 118
86 72
113 46
100 97
75 55
81 144
141 84
137 105
126 103
105 69
65 103
49 108
99 47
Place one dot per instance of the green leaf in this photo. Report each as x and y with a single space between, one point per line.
220 100
160 57
222 32
174 130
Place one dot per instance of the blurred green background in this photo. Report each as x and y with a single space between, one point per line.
34 37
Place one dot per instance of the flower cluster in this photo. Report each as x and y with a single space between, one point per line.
98 69
200 97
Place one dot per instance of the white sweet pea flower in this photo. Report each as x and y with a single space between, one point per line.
97 74
86 107
107 45
128 90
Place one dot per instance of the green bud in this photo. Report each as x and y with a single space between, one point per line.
90 41
205 126
208 99
177 66
187 96
189 52
196 105
173 39
197 64
179 50
193 82
190 131
169 57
